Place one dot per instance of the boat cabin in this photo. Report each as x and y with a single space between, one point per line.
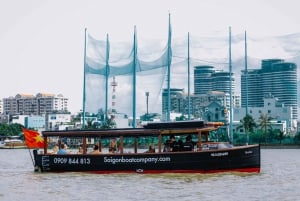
153 138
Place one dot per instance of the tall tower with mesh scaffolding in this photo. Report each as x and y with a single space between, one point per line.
114 84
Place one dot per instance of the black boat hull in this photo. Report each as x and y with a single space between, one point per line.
236 159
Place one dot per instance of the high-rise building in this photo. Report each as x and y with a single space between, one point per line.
277 78
1 107
255 94
203 79
176 101
207 79
221 82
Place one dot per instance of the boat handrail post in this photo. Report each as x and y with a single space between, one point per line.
199 144
135 144
59 141
45 144
84 144
121 144
206 136
159 142
100 144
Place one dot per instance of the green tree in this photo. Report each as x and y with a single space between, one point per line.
10 129
181 118
3 129
109 123
89 125
265 124
248 123
297 138
280 136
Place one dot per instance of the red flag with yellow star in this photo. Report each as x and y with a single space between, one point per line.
33 139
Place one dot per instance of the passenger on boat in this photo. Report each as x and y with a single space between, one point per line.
95 150
54 150
80 150
188 145
62 149
113 146
169 144
177 146
150 150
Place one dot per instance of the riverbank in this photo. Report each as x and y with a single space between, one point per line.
280 146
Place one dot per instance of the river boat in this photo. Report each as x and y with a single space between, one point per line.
12 142
131 154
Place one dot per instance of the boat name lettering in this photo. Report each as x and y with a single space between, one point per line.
248 152
81 161
219 154
115 160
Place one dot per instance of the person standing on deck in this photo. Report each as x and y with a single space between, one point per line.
62 149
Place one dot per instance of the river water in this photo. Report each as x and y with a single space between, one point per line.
278 180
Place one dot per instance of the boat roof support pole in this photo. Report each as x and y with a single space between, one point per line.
84 145
100 144
199 140
159 142
45 144
121 147
135 145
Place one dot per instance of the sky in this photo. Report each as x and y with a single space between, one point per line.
42 41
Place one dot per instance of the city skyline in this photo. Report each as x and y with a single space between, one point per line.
42 41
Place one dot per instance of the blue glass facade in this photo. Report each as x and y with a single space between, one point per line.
275 77
203 79
207 79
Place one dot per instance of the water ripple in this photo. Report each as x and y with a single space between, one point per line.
278 180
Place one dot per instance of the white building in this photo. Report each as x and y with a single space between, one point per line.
1 106
58 121
27 104
279 113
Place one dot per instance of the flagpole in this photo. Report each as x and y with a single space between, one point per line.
29 136
31 157
84 92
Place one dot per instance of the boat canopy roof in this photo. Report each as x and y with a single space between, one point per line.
151 129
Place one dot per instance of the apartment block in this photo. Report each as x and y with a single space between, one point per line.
41 104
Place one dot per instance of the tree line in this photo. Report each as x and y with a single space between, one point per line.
10 129
262 132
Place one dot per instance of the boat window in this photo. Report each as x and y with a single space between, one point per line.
140 144
72 144
110 145
180 142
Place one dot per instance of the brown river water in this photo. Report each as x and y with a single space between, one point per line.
279 180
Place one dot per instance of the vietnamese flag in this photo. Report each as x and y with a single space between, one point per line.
33 139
